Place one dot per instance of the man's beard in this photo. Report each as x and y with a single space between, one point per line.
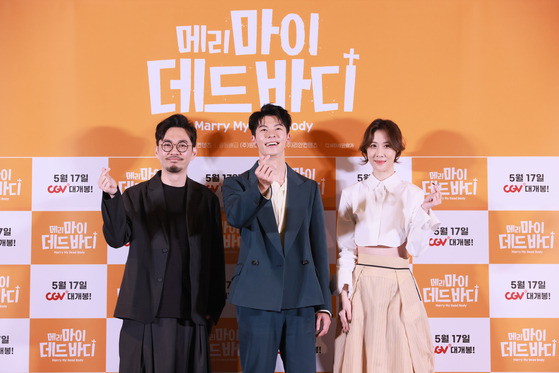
174 169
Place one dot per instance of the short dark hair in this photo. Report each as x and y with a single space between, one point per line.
395 139
176 120
272 111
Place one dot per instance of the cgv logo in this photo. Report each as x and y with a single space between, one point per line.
437 241
57 188
513 188
214 188
441 350
514 295
56 296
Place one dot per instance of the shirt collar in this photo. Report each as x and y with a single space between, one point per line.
282 187
389 183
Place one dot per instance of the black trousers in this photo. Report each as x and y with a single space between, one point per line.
166 345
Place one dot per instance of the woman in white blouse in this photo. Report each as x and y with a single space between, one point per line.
382 219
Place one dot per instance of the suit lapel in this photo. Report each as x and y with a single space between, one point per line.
192 208
193 228
190 204
268 222
156 200
295 208
266 217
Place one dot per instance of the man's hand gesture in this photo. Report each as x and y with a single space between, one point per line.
107 183
265 174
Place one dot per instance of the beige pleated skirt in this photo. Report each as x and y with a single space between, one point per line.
389 331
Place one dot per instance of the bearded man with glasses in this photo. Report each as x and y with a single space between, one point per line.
173 288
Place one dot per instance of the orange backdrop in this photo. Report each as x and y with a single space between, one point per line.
462 78
474 85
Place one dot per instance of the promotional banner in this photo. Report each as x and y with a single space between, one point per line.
472 85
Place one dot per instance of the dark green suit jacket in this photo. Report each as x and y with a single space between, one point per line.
269 276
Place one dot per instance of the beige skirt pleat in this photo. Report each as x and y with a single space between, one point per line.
389 331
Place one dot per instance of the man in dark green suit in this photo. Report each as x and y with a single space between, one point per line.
281 283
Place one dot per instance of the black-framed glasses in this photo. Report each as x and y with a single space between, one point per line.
168 146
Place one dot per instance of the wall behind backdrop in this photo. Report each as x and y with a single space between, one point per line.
474 85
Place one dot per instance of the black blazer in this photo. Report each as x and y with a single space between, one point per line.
269 276
138 216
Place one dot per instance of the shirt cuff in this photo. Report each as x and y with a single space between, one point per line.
268 193
345 277
433 221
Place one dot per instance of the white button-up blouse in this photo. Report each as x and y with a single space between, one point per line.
380 213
